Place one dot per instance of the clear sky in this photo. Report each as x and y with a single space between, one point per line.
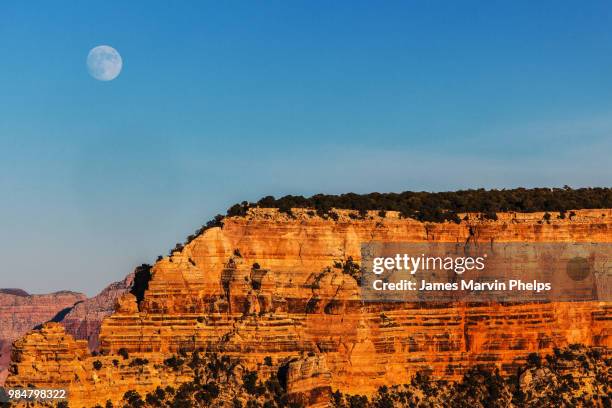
220 102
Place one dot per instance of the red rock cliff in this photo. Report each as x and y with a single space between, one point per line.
21 312
265 285
83 320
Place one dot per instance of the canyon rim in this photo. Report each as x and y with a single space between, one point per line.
277 293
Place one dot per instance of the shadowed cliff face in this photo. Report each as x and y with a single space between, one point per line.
21 312
83 320
273 285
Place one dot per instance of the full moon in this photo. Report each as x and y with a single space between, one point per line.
104 63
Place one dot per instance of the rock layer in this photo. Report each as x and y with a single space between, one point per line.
21 312
272 285
83 320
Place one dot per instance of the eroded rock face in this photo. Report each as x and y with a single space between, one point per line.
20 312
266 285
81 316
309 380
55 350
83 320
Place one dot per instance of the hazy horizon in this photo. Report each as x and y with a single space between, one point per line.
220 103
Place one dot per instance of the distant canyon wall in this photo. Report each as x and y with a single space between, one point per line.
82 317
20 312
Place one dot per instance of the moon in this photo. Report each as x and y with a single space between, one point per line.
104 63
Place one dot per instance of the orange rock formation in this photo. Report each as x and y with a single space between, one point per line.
21 312
265 285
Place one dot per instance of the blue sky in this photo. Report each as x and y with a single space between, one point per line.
219 102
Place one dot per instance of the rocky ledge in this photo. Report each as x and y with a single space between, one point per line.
20 312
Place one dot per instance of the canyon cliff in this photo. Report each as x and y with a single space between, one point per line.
20 312
84 319
276 292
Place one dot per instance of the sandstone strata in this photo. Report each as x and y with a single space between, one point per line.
84 319
271 285
21 312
